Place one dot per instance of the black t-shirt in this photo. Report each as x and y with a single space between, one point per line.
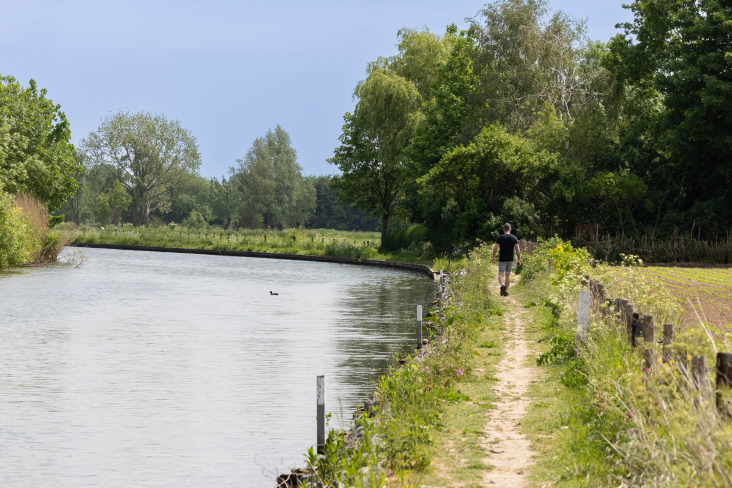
507 243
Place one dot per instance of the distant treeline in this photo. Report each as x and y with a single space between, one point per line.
124 178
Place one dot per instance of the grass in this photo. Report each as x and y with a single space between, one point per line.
605 419
316 242
424 399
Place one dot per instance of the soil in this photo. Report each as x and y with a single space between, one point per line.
710 293
510 451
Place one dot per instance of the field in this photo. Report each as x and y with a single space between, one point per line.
708 289
317 242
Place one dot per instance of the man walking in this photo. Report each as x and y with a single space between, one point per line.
506 242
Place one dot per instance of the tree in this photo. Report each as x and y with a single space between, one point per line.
38 157
681 51
114 202
255 180
152 153
226 200
270 180
329 214
478 179
371 155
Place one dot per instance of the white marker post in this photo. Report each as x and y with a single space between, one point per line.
583 314
419 326
321 414
440 286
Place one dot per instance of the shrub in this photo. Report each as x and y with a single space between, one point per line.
347 250
412 237
16 239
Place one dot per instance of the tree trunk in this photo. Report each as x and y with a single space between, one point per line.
384 224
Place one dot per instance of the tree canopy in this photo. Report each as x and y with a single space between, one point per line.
36 155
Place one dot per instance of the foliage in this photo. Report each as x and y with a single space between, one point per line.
16 239
627 421
680 50
272 189
410 399
36 155
112 204
412 237
478 180
370 157
151 154
329 214
25 234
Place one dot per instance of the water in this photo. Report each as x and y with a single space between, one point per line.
156 369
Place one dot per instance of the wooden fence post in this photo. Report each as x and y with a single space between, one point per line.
321 413
724 381
637 328
668 339
649 339
628 318
419 326
583 313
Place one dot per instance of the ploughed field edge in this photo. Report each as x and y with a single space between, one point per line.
420 268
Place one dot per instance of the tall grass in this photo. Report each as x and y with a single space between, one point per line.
25 237
633 425
323 242
46 243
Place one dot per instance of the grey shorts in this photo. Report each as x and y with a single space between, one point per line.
505 267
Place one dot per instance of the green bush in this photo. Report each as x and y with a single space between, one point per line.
347 250
17 239
412 237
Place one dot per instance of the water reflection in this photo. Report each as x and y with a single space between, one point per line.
161 369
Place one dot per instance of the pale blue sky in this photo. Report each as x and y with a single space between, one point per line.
227 70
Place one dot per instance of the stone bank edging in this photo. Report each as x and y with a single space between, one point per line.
420 268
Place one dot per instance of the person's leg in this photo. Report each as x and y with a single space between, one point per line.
507 277
500 278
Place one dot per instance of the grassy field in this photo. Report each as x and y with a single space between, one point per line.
317 242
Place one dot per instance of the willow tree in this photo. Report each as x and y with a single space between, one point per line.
152 153
374 136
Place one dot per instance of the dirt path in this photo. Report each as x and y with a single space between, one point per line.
510 451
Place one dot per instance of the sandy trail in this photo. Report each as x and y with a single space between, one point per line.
510 451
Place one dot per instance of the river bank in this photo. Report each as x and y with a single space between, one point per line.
504 400
315 242
420 268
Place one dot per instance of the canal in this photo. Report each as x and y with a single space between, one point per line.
157 369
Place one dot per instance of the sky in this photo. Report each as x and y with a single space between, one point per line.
228 71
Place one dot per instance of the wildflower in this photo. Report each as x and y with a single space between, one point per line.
459 372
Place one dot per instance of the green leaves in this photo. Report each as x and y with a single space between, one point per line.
36 155
372 144
152 154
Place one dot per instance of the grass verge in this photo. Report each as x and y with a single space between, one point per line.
396 441
314 242
614 421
